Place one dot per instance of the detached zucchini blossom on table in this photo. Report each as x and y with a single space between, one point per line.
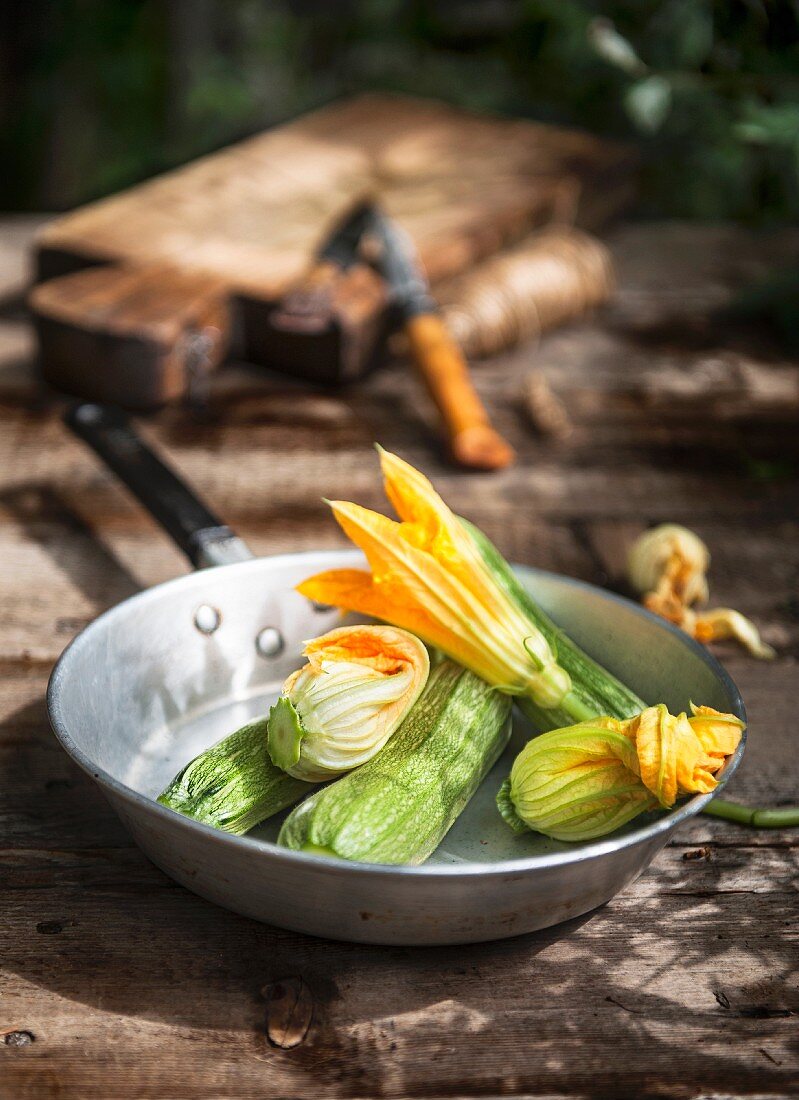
340 708
586 780
668 565
427 575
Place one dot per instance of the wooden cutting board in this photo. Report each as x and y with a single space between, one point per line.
210 248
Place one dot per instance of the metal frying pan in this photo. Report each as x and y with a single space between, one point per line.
160 677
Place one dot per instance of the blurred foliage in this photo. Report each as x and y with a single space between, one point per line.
771 303
101 93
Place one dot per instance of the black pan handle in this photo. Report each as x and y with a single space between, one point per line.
196 530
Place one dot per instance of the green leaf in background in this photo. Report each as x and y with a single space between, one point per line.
680 35
101 93
648 103
769 123
614 47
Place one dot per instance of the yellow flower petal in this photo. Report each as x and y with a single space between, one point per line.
430 525
719 733
414 589
354 590
722 623
380 648
394 560
655 748
673 757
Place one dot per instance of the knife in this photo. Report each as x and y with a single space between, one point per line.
472 440
330 325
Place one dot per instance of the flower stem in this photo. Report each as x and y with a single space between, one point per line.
758 818
579 710
569 711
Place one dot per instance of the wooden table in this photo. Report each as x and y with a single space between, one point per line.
118 983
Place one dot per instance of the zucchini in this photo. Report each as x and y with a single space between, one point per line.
397 807
595 691
234 785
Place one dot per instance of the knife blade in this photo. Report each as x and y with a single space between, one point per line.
342 245
331 323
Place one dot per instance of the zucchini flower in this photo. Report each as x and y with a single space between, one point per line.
672 561
338 710
668 566
584 781
428 576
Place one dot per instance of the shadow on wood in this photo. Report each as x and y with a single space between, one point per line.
50 521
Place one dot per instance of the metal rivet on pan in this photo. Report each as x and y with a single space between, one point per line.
321 607
269 642
207 618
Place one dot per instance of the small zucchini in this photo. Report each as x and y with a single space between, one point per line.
234 785
397 807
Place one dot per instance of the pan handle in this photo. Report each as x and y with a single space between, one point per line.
196 530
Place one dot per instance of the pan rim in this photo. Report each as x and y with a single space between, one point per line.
660 827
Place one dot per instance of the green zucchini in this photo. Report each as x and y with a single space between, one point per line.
397 807
594 690
234 785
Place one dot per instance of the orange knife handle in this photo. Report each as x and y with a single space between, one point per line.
440 362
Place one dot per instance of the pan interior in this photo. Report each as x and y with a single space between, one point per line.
143 690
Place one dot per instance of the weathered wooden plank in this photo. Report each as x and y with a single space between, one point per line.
280 471
678 1012
253 214
46 801
115 980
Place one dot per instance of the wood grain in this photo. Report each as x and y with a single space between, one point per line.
253 214
206 252
135 336
117 982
